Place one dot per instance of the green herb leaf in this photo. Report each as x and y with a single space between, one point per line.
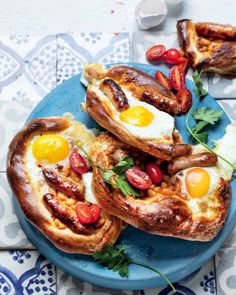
116 259
207 115
200 91
106 175
126 187
123 165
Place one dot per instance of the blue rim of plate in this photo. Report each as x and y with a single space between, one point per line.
174 257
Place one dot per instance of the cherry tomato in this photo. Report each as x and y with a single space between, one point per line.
138 178
83 213
177 77
78 164
184 98
87 214
95 212
172 56
163 80
154 172
155 52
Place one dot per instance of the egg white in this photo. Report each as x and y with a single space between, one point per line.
33 166
88 193
161 127
225 147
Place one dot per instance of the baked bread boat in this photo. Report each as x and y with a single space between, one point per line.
176 206
134 106
209 47
50 193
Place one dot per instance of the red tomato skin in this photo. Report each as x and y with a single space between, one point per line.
163 80
78 164
154 172
156 52
177 77
87 214
172 56
95 212
138 178
83 213
184 98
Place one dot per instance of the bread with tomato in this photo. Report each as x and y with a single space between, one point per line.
153 195
51 180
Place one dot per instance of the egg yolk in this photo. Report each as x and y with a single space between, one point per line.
50 148
137 115
197 182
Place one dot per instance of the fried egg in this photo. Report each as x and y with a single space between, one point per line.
142 120
53 151
200 184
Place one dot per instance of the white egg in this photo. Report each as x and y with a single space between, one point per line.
88 194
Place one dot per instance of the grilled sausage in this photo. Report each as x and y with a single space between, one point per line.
203 159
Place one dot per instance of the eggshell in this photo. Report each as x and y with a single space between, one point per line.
150 13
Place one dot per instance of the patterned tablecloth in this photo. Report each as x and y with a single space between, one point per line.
30 67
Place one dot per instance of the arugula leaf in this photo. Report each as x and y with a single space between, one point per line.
114 258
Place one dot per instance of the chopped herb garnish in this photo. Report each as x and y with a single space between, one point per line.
204 117
116 176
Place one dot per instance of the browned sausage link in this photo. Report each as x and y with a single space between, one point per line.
64 214
164 104
203 159
115 93
63 184
181 149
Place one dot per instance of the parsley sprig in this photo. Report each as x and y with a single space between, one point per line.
115 176
204 117
116 259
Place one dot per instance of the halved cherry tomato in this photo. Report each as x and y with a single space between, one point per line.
154 172
87 214
163 80
138 178
83 213
78 163
172 56
156 52
184 98
95 212
177 77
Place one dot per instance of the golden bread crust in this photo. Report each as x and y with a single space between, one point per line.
162 209
137 82
210 47
30 198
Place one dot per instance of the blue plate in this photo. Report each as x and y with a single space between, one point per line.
176 258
